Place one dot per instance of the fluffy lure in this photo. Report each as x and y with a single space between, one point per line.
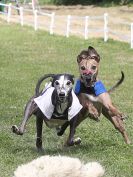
59 166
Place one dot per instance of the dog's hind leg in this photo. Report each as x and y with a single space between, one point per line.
30 108
118 123
39 124
113 114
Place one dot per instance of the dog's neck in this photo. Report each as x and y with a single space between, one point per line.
61 107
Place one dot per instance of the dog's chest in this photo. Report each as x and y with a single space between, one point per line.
61 108
59 116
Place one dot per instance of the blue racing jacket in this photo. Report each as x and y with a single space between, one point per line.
97 89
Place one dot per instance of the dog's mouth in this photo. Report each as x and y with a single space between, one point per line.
88 79
62 96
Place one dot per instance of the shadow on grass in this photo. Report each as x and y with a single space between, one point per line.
86 148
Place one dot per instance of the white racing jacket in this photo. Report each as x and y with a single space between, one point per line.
44 102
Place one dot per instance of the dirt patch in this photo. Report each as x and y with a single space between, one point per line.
120 19
123 12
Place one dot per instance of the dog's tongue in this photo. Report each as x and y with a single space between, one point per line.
87 72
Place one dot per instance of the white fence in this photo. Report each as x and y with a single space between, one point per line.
87 26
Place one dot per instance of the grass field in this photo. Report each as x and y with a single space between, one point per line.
26 55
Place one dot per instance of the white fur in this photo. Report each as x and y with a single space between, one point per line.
92 98
59 166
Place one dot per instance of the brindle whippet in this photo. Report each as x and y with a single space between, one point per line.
91 91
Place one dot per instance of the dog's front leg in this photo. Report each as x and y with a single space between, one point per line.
70 140
63 128
29 110
39 124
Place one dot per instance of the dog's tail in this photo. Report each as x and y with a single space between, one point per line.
93 169
38 85
118 83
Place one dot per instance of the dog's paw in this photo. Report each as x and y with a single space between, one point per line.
94 117
124 117
59 131
77 141
40 150
16 130
69 143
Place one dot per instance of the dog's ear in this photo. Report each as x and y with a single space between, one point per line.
54 78
93 54
82 55
72 78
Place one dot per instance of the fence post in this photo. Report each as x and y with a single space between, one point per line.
86 27
52 23
35 20
131 35
9 12
33 5
105 27
21 16
68 25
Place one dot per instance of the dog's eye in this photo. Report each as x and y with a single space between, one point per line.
82 68
56 83
68 82
93 67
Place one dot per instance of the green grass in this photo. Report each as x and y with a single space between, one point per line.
25 55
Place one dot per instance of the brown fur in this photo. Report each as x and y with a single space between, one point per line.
93 106
86 62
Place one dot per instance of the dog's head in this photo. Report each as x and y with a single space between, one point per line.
63 84
88 61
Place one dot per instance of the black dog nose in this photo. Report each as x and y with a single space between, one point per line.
61 94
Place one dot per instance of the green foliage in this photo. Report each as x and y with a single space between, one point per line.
71 2
86 2
25 55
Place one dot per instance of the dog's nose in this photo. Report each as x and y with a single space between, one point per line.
61 94
87 72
